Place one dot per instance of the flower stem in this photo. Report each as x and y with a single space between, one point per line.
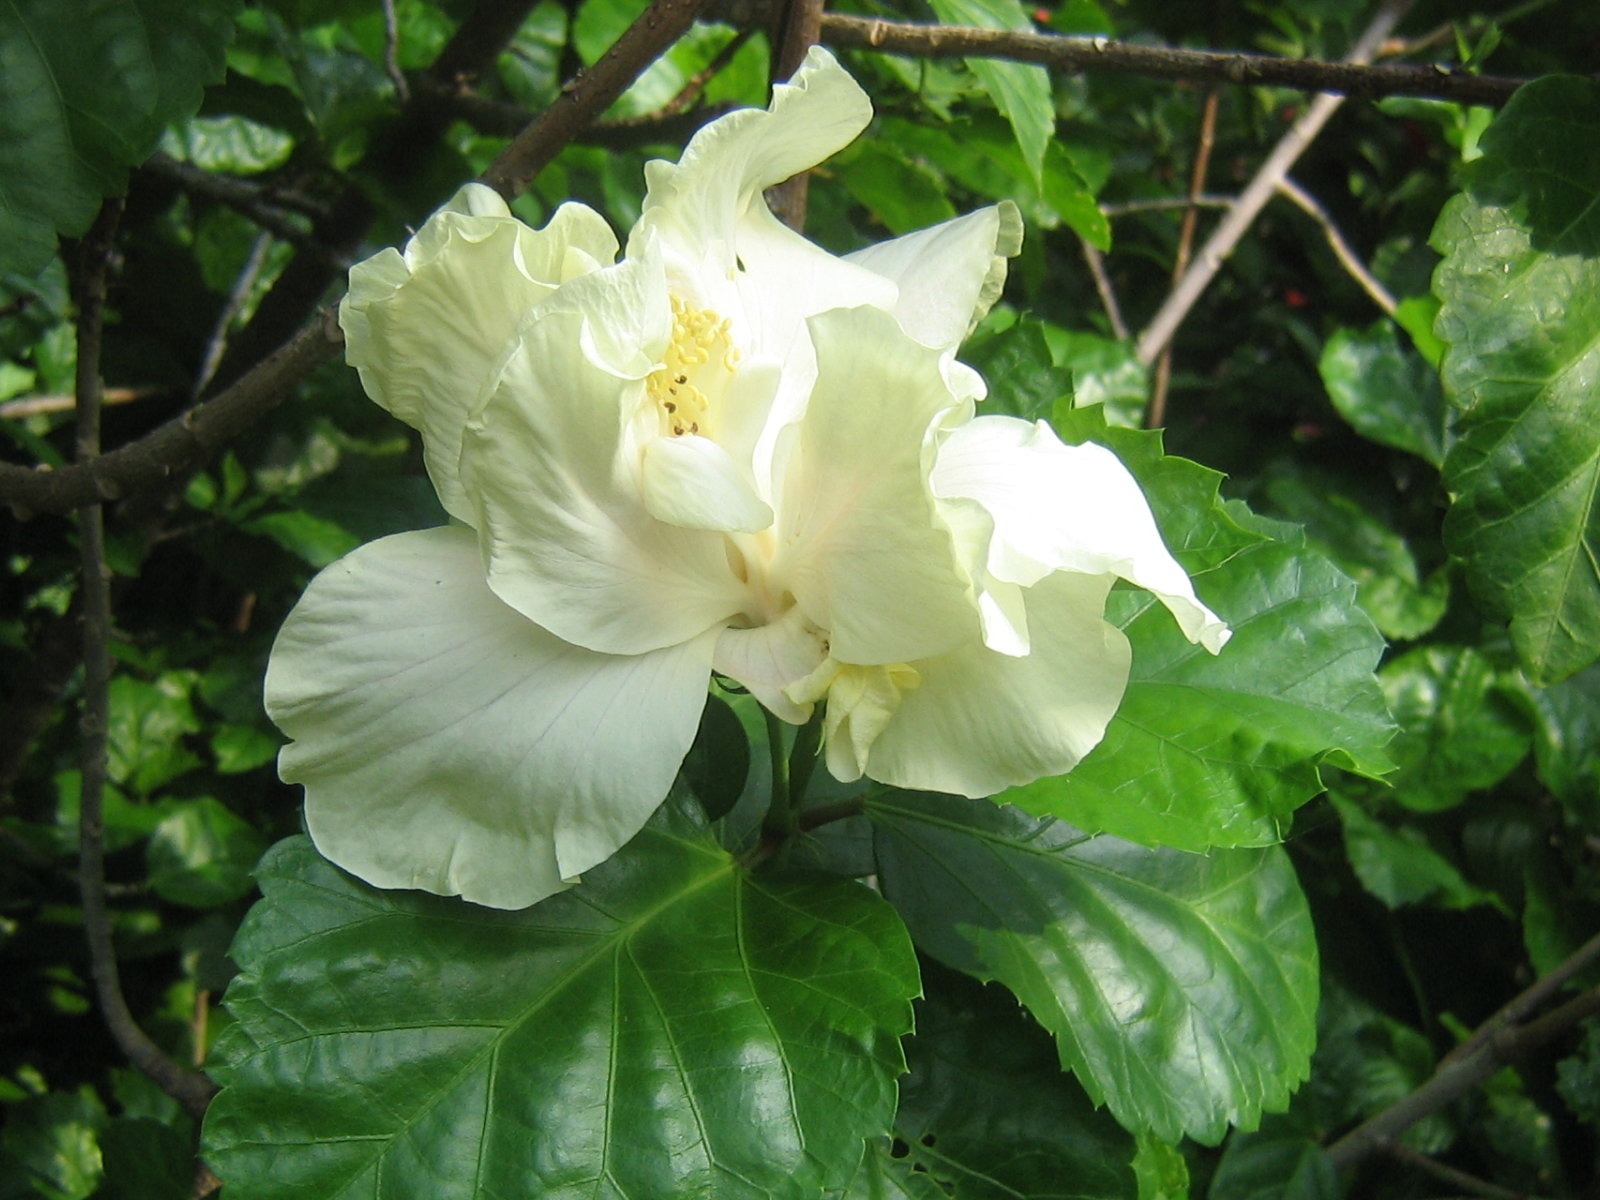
803 760
779 822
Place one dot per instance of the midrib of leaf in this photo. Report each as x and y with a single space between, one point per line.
616 942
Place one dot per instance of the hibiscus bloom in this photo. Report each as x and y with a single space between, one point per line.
730 452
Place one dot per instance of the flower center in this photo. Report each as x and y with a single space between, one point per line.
700 356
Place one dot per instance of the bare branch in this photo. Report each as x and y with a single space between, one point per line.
1348 258
1254 198
1495 1045
1156 414
1469 1184
590 94
391 53
246 198
189 1088
506 119
185 440
1080 54
1102 284
1166 204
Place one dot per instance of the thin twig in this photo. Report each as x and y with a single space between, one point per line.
1456 1076
1469 1184
1156 414
391 53
506 119
1166 204
58 402
590 94
190 1089
246 199
1102 284
1253 199
1348 258
802 25
218 342
1082 54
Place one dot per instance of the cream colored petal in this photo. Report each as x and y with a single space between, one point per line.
860 546
559 504
692 482
428 329
1065 508
950 275
981 721
770 658
447 743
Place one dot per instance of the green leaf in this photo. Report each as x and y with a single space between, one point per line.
1458 733
1342 523
1161 1169
1220 751
146 1160
1021 91
86 86
718 763
316 540
55 1140
148 721
1399 867
241 748
1566 745
1387 392
202 855
1520 284
673 1026
1104 372
903 195
986 1112
1181 988
1260 1166
886 1173
233 145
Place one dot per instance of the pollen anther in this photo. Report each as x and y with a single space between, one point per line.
699 337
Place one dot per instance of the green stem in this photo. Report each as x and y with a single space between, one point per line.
803 760
779 821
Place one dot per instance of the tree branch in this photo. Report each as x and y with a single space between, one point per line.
1348 258
182 442
189 1088
1079 54
590 94
1254 198
1500 1040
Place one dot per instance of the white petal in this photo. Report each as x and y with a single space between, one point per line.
692 482
429 329
981 721
1065 508
950 275
560 510
695 203
860 546
769 658
447 743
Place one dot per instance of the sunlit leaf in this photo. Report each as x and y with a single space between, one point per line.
1520 283
1180 988
674 1026
1220 751
1386 391
202 855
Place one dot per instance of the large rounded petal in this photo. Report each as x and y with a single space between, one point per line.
1065 508
429 329
860 545
980 721
948 275
560 507
446 743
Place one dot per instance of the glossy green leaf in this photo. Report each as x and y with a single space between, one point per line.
1387 391
674 1026
1181 988
1458 732
986 1112
1104 372
202 855
901 194
718 763
1399 867
148 721
887 1173
1520 282
1261 1166
1363 543
1161 1170
1220 751
1566 743
1021 91
86 86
